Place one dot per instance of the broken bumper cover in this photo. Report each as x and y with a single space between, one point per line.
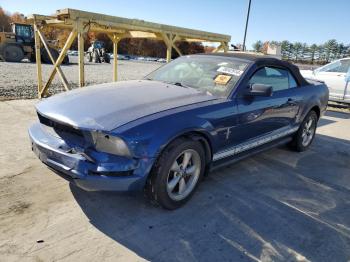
102 172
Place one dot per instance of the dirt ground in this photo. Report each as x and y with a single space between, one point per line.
276 206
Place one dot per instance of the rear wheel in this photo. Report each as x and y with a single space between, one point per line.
45 56
106 58
65 60
89 57
306 132
96 57
32 57
13 53
177 173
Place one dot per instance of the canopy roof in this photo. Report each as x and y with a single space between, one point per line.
66 18
79 22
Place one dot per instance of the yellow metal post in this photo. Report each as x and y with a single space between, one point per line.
59 70
218 48
115 60
167 38
38 59
115 39
225 47
177 49
168 53
59 60
81 59
173 41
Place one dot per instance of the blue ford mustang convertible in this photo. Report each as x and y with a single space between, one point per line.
164 133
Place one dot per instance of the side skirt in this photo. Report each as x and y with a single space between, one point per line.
230 160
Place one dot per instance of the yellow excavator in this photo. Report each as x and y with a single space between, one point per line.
19 44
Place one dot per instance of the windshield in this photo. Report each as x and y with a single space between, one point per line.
339 66
214 75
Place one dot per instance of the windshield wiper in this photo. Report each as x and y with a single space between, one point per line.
171 83
180 84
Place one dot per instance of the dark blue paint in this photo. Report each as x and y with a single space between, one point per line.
148 115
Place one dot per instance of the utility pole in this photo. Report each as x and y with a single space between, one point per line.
246 25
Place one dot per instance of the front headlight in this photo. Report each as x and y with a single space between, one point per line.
110 144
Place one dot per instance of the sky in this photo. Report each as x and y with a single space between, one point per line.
306 21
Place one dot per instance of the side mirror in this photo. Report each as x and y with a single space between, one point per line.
260 90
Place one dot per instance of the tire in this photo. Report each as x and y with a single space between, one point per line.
13 53
45 56
306 133
169 188
32 57
89 57
96 57
106 58
65 60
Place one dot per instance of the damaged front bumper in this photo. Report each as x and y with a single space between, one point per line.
90 170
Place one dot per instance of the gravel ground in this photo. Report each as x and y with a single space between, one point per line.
18 80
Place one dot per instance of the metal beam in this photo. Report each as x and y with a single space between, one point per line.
138 25
81 59
59 70
115 61
174 45
224 47
177 50
220 47
115 39
59 60
38 59
170 40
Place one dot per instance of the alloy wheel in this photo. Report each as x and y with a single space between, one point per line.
308 132
183 174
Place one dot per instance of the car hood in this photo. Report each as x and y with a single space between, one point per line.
108 106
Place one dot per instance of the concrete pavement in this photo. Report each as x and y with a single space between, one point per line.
279 205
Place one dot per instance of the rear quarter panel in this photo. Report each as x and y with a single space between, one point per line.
314 94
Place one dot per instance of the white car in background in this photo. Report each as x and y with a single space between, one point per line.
336 75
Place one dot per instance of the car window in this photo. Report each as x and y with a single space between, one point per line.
346 65
279 79
24 31
213 75
292 82
340 66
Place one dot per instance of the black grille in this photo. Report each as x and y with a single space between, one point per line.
113 173
59 127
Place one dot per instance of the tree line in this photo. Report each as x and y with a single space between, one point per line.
309 54
130 46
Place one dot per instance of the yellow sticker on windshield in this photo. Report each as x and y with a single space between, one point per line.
222 79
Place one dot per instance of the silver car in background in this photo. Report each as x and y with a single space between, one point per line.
336 75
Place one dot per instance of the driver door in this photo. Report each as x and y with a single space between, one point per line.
261 116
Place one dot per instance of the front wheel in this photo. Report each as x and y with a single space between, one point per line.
306 132
13 53
89 57
177 173
96 56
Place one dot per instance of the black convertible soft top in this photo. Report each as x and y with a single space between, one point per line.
261 60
